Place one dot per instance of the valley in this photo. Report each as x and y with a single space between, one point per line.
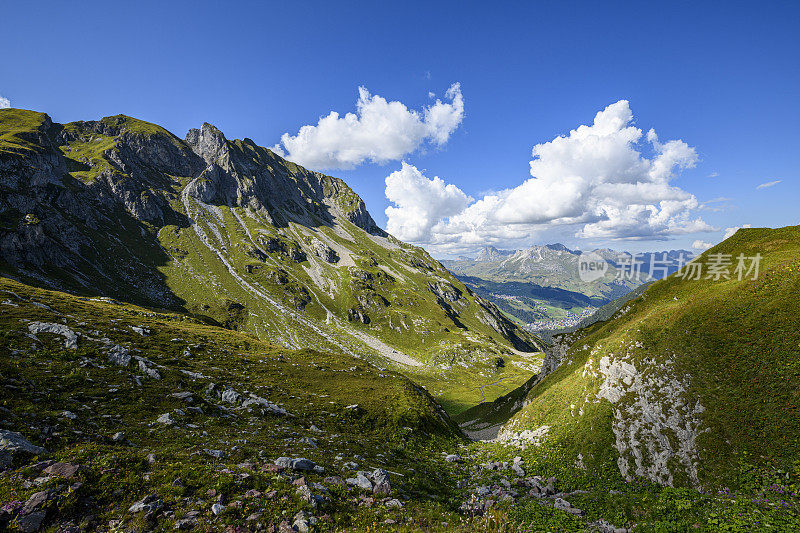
198 334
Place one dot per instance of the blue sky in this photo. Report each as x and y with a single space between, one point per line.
723 78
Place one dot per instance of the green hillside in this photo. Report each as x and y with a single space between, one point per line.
237 236
692 383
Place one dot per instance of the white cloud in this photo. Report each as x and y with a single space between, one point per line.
713 175
421 202
701 246
769 184
379 131
730 231
4 103
602 181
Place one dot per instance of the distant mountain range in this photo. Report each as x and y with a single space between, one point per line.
541 284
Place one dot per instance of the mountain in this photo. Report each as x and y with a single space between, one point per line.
490 253
541 286
690 384
235 235
192 372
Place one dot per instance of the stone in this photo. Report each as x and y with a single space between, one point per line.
394 502
183 395
335 480
452 458
38 501
118 437
31 522
119 355
564 505
305 494
13 445
217 508
217 454
606 527
65 470
303 464
166 419
148 370
231 396
148 505
185 523
361 481
70 337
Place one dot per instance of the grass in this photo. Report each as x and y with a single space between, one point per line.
18 130
736 341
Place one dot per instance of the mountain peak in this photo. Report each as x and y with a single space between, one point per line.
490 253
208 142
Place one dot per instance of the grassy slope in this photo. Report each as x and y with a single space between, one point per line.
393 426
737 341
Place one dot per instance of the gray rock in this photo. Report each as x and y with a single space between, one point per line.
166 419
217 508
70 337
266 405
564 505
119 355
303 464
606 527
184 395
284 462
452 458
148 370
217 454
382 483
361 481
32 522
231 396
12 445
298 463
185 523
149 504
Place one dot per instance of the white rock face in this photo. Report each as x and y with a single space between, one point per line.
654 421
523 438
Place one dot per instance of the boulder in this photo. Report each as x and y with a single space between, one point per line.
14 445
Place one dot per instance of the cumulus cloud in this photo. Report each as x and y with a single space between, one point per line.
701 246
4 103
730 231
421 202
713 175
768 184
607 180
379 131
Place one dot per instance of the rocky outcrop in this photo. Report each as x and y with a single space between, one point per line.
490 315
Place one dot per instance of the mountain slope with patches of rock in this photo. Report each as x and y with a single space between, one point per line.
688 384
232 233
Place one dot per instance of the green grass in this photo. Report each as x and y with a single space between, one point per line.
737 342
18 129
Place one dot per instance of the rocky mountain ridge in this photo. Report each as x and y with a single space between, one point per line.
236 235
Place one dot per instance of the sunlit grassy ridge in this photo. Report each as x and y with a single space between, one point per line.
731 346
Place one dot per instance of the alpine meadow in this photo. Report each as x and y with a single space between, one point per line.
571 307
